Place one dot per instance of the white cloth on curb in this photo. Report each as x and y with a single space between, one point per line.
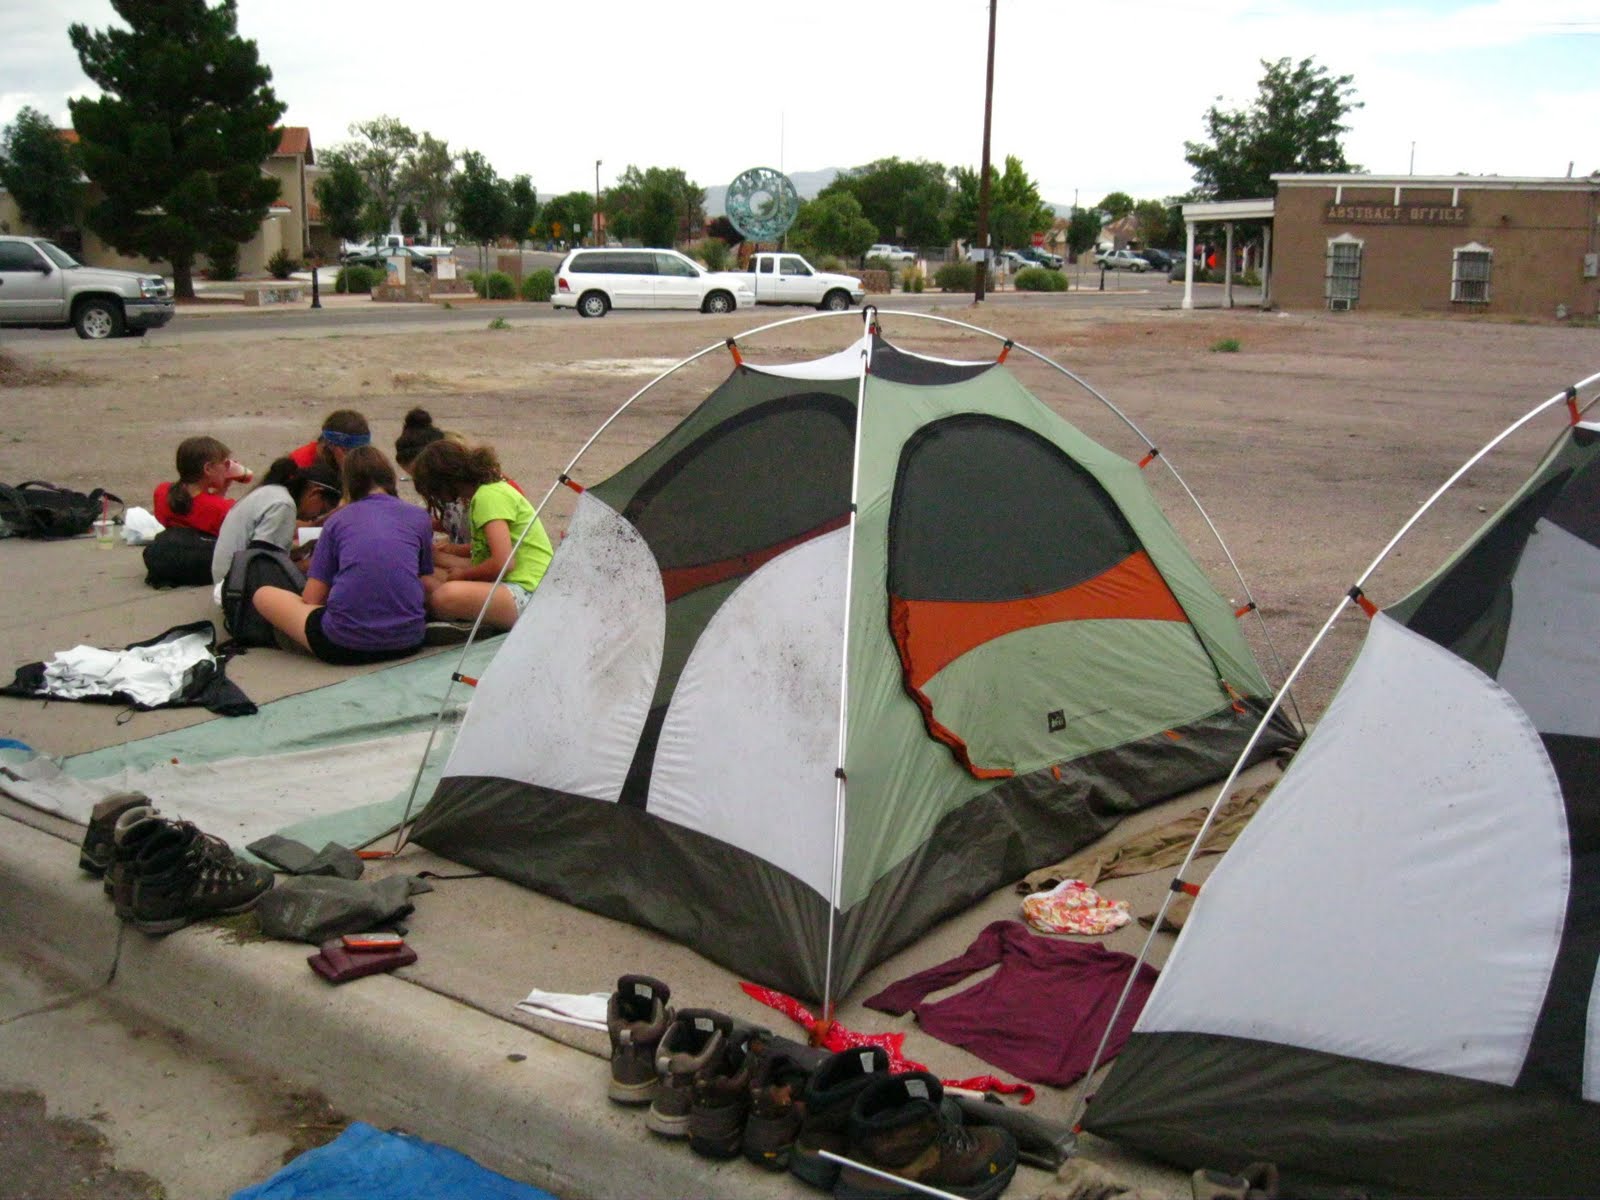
588 1010
149 674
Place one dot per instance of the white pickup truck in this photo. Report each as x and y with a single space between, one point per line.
790 279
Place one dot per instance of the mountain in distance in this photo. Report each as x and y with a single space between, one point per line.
807 183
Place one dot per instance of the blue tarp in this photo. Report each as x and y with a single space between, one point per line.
364 1163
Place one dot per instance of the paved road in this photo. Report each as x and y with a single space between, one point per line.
1123 293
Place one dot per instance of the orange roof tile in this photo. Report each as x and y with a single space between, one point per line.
295 139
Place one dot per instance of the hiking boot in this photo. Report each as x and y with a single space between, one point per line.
134 828
94 856
183 875
825 1112
695 1038
777 1087
721 1095
636 1017
898 1126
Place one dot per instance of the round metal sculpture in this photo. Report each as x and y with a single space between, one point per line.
762 204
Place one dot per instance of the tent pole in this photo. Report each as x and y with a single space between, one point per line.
1078 1099
869 316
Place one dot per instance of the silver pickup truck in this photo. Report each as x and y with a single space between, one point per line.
44 287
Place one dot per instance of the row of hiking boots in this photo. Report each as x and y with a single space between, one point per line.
731 1089
163 874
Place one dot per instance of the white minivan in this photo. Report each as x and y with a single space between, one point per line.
598 279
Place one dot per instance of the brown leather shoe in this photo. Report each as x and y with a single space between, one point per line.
637 1016
899 1127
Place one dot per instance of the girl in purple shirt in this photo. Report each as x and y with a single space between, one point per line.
364 597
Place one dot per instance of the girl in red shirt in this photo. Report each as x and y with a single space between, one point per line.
197 499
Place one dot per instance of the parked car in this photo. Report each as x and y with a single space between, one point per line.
598 279
1159 260
44 287
380 257
1014 261
895 254
790 279
1042 257
1120 260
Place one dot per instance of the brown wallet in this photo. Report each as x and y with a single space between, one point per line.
336 963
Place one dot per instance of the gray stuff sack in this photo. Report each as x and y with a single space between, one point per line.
318 908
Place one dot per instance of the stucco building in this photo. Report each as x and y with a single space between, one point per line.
287 225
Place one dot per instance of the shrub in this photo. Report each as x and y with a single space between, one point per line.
1040 279
879 263
956 277
499 322
1250 279
1225 346
714 253
281 266
500 286
912 280
829 262
541 285
478 280
357 279
224 260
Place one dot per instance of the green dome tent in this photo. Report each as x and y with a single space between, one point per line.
1392 975
859 641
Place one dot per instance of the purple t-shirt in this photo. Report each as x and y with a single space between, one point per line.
370 555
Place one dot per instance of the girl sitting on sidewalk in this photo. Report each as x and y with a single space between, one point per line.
499 515
343 430
274 509
364 599
197 499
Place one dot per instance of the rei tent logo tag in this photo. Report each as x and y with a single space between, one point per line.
1057 720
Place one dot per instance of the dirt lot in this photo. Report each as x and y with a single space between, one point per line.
1309 445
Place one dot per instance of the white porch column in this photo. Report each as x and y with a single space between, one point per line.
1266 264
1188 265
1227 270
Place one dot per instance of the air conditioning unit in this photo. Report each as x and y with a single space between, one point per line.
1339 304
1591 265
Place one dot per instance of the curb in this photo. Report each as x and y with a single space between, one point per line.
387 1051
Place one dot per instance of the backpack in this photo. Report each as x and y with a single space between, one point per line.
37 509
260 564
179 557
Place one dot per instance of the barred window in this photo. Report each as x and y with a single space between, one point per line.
1469 277
1342 283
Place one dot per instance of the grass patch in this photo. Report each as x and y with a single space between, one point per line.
1225 346
499 323
15 372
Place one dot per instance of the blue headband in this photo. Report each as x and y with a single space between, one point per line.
346 441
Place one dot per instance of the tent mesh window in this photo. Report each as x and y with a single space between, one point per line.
987 510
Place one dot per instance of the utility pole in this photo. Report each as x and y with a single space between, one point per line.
597 202
983 178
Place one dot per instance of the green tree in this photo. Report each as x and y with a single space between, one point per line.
1083 229
176 139
382 151
906 201
566 216
522 209
425 181
1116 205
1150 217
1293 125
410 222
481 200
342 195
37 168
833 224
1016 212
657 205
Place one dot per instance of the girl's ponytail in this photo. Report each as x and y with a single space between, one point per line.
194 456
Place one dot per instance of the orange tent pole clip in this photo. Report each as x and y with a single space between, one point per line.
733 349
1572 404
1154 454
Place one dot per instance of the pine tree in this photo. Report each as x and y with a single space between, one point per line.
177 139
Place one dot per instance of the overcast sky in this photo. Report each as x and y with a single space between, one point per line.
1093 98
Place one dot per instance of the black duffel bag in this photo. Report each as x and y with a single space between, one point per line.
179 557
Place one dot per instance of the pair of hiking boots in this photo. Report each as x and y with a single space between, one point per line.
163 874
724 1086
732 1090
